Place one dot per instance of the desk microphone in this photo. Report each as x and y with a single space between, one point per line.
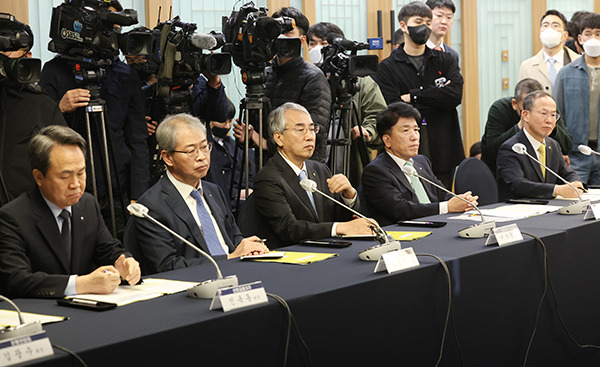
584 149
373 253
478 230
23 329
206 289
578 207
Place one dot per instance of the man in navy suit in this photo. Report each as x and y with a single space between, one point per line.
520 176
391 196
441 23
196 209
53 242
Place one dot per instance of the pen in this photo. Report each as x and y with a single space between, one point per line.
84 302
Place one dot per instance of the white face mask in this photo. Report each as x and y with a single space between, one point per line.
592 47
551 38
315 56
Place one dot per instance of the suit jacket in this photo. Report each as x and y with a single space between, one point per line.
285 213
33 260
161 251
452 52
389 195
535 68
520 176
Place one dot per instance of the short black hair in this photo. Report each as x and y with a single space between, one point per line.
555 13
322 29
475 149
41 145
432 4
301 20
230 110
574 25
530 99
414 8
591 21
526 86
387 118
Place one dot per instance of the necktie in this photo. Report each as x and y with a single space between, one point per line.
65 232
418 187
542 151
551 70
438 48
210 234
302 176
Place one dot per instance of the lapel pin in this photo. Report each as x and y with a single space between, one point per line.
82 218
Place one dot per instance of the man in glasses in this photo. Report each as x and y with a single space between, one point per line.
286 212
197 210
521 177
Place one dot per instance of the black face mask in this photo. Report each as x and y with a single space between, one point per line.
220 132
419 34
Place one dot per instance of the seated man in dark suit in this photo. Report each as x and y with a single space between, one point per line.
287 214
53 233
391 196
520 176
196 209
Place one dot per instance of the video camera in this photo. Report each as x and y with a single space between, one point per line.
340 58
14 36
86 28
252 37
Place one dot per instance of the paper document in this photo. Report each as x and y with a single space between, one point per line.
300 258
407 236
508 212
11 318
591 195
121 296
164 286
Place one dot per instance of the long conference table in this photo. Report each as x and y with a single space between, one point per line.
350 316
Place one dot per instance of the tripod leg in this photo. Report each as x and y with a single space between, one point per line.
91 151
108 176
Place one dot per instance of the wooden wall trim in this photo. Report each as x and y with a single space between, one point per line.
385 6
538 8
470 72
152 7
18 8
275 5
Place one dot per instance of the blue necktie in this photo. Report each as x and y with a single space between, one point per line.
418 187
302 176
210 234
552 70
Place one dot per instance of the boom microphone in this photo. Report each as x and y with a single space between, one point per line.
372 253
474 231
206 289
578 207
203 41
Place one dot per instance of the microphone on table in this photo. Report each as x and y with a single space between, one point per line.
373 253
478 230
578 207
584 149
206 289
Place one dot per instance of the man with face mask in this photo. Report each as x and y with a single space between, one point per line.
24 110
504 121
577 94
431 82
544 66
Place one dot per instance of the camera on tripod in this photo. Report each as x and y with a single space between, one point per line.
252 37
340 58
14 36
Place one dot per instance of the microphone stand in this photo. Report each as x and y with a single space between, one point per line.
206 289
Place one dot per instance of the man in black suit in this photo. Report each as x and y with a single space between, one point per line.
520 176
53 233
391 195
196 209
287 213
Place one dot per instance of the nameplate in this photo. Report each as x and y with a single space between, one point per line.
593 212
504 235
94 108
397 260
244 295
24 348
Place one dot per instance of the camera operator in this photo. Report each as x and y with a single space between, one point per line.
368 99
121 90
24 110
292 79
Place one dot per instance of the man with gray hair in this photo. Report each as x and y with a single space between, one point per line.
53 233
196 209
286 212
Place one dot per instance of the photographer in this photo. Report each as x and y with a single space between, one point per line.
24 110
292 79
368 99
125 123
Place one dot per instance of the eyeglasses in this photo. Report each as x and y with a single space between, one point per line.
555 25
301 130
554 116
193 153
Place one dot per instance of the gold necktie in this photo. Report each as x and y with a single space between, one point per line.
542 151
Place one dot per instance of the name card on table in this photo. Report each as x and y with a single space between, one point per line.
244 295
24 348
397 260
593 212
504 235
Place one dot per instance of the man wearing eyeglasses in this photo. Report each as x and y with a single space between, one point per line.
196 209
521 177
287 214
